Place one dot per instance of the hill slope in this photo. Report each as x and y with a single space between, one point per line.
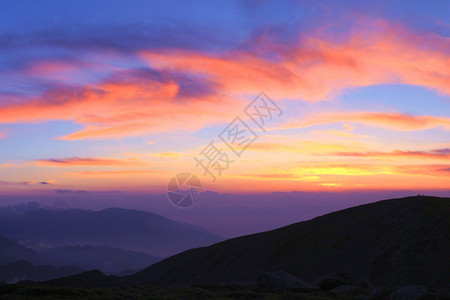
399 241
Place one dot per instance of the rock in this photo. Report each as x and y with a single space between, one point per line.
413 292
281 281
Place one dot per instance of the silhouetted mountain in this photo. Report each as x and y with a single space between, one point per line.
23 270
89 278
107 259
11 251
392 242
114 227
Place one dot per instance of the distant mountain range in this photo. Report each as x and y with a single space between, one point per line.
392 242
112 240
109 260
10 251
113 227
23 270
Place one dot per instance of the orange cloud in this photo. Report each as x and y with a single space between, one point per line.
389 120
307 147
342 169
355 170
337 133
167 154
332 184
131 104
283 176
440 171
270 147
80 161
433 154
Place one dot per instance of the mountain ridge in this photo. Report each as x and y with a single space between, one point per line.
126 229
386 242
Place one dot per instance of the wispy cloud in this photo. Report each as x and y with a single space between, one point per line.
283 176
49 181
432 154
339 133
12 183
398 121
128 103
313 147
86 161
113 173
167 154
27 183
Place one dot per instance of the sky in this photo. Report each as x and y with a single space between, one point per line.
120 96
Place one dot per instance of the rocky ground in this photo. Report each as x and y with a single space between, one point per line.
270 285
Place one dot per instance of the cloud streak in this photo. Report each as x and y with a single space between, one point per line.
318 66
129 103
85 161
398 121
432 154
124 173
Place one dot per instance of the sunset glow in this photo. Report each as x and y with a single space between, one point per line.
126 100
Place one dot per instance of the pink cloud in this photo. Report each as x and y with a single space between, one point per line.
124 106
315 68
318 66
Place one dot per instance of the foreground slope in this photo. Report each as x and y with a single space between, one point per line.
392 242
